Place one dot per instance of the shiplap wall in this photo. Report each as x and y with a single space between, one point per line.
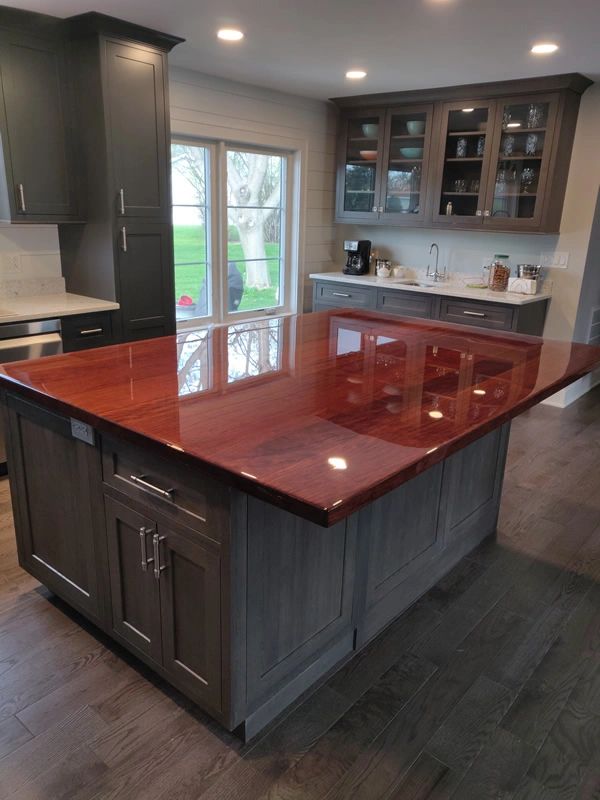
203 106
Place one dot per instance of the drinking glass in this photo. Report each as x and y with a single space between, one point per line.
509 145
535 116
461 147
527 179
531 144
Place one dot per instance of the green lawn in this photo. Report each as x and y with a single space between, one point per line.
190 246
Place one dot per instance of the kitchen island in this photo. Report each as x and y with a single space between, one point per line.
244 507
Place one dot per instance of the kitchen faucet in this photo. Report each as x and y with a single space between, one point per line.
436 275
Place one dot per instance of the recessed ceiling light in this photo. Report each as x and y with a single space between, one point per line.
436 414
480 392
337 463
513 125
468 110
230 34
356 74
543 48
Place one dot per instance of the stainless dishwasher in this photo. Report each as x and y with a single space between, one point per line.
20 341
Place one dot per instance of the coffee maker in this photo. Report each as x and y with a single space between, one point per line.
359 252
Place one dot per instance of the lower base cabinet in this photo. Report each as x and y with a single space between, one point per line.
165 591
240 605
528 318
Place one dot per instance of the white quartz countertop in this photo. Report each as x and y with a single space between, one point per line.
45 306
442 288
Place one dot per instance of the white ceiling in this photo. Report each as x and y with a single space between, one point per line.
306 46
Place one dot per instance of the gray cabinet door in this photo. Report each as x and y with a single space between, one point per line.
145 278
35 129
134 588
190 589
58 508
136 96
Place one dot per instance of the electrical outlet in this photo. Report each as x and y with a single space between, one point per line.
555 260
11 263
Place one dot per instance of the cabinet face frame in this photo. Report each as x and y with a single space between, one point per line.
396 218
544 180
359 216
455 220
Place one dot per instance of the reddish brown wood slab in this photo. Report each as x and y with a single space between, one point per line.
344 405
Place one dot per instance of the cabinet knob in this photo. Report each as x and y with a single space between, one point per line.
374 209
486 213
479 213
381 209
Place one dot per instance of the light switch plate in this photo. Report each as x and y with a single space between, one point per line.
555 260
83 431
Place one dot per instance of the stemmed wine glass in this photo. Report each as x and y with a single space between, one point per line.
527 179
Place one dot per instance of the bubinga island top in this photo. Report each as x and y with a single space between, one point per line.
318 414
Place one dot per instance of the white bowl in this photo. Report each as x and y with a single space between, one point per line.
415 127
411 152
371 130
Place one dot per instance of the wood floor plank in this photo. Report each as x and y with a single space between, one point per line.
427 779
28 763
383 764
12 735
472 722
498 771
335 752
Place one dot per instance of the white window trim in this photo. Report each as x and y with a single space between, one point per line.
217 248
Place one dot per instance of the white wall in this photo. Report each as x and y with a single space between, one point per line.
206 107
464 251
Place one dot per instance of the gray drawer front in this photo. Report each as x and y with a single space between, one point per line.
469 312
344 295
406 304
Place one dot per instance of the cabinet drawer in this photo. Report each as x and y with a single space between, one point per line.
82 332
181 494
406 304
468 312
345 295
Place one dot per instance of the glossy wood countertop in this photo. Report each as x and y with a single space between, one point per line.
319 414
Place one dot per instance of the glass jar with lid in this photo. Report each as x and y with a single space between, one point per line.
499 273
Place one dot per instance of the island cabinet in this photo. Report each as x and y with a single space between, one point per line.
239 604
487 156
244 554
38 180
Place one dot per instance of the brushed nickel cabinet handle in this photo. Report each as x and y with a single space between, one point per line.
21 197
341 294
145 560
140 480
91 331
474 313
479 213
124 239
486 213
158 567
122 202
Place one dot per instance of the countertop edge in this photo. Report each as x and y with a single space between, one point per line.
70 305
372 281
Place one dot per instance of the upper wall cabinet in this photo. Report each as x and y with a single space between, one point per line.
38 182
383 165
489 156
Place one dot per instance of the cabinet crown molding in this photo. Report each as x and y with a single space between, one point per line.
571 81
92 22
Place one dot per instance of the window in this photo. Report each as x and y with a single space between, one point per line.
231 231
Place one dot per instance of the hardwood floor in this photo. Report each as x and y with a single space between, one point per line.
489 687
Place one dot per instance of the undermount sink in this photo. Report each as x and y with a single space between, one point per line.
408 282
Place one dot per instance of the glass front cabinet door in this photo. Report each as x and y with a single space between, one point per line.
516 192
406 165
359 167
463 162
